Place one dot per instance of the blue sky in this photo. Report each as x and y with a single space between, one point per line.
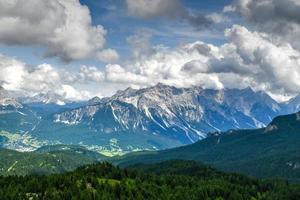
113 15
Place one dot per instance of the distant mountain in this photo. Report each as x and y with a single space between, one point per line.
273 151
3 93
45 98
19 121
94 100
153 118
15 117
182 114
7 99
10 102
292 105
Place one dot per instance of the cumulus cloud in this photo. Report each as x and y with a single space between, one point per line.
70 93
46 79
11 72
267 10
63 27
117 74
273 66
249 58
140 43
108 55
169 9
89 74
164 65
42 78
24 80
276 17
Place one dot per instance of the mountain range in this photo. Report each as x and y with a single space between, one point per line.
270 152
153 118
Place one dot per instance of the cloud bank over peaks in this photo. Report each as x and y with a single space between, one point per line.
249 58
63 27
24 80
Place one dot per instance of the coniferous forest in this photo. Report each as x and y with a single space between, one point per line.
168 180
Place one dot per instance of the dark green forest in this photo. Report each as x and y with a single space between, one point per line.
168 180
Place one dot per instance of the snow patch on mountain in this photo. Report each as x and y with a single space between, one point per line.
45 98
10 102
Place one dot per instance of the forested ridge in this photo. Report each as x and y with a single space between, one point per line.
273 151
167 180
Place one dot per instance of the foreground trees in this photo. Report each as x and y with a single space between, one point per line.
168 180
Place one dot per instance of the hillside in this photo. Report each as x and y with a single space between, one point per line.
171 180
47 160
273 151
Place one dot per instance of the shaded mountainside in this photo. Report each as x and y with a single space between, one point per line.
273 151
168 180
17 118
47 160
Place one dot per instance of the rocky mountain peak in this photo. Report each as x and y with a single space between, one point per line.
94 100
183 114
46 98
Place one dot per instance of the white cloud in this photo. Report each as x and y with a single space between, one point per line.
71 93
117 74
63 27
218 18
279 18
89 74
248 59
166 66
11 72
44 78
108 55
140 43
274 66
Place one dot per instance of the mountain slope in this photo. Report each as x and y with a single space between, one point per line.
292 105
47 160
46 98
14 116
266 152
184 115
